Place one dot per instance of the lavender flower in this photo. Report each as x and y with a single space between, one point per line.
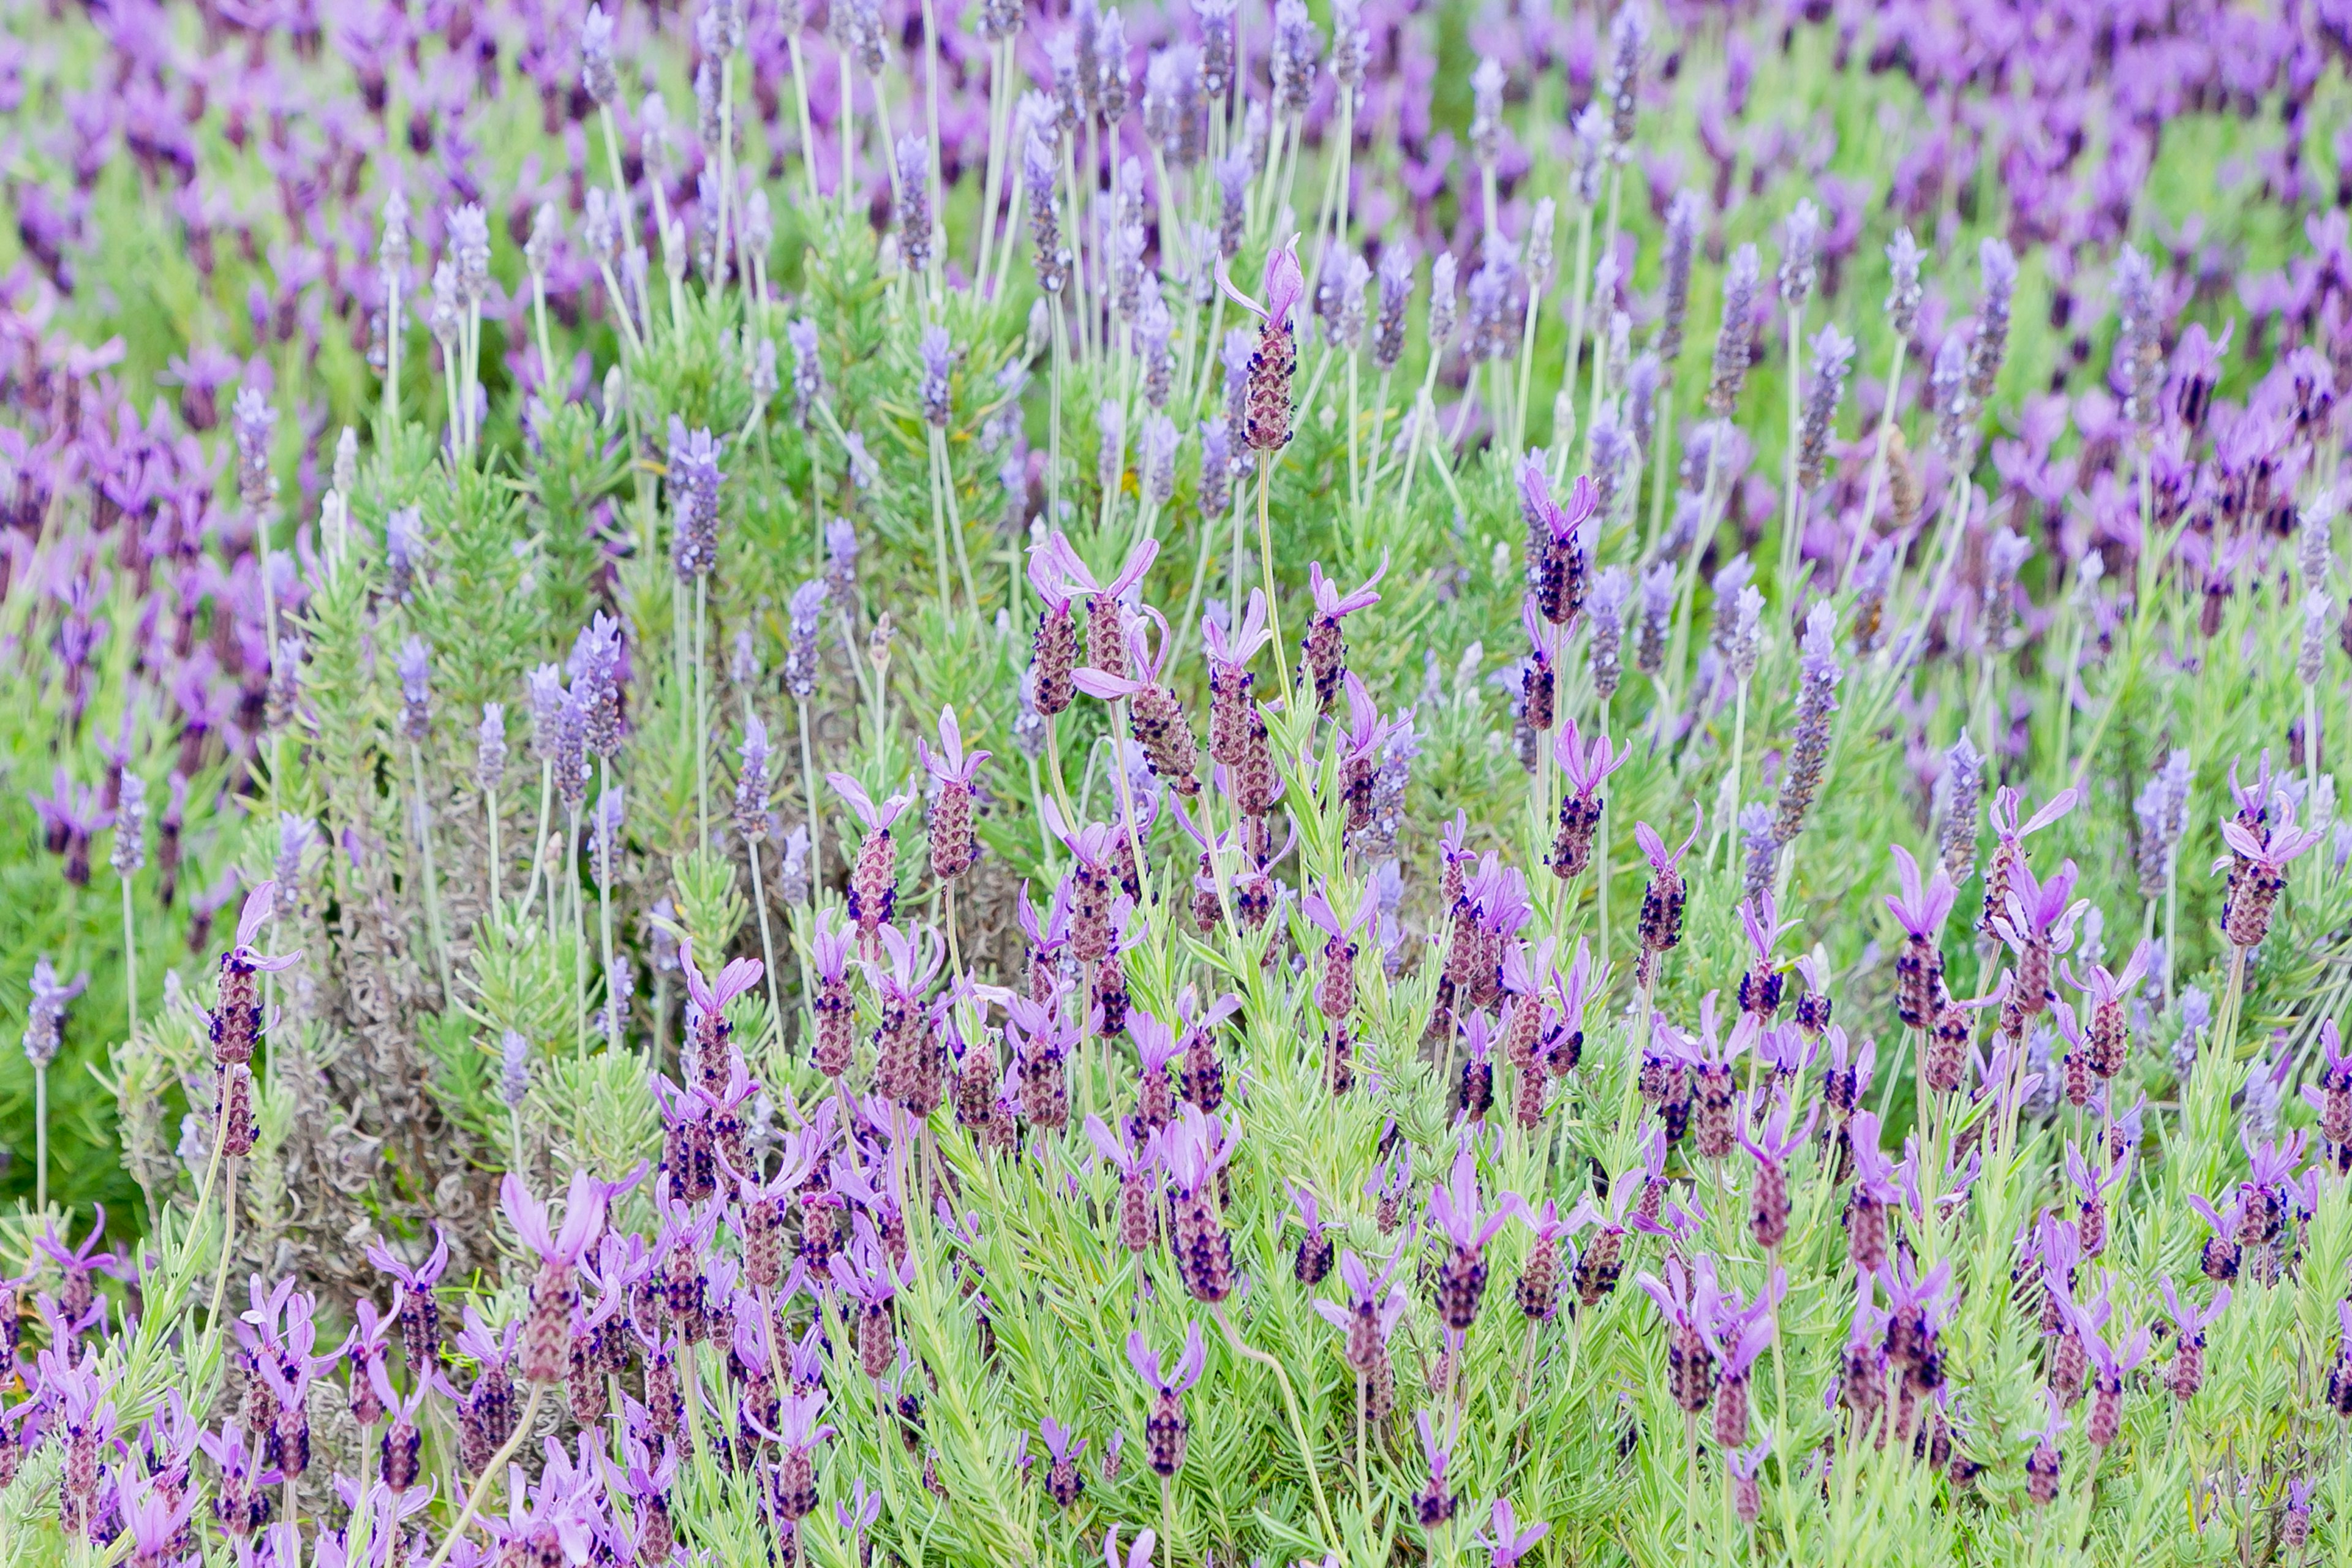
1903 291
939 357
1265 424
2162 807
416 669
1049 255
913 217
1958 793
254 422
1801 238
1809 749
514 1070
1166 1429
1997 266
2139 350
1833 359
490 748
752 783
1735 337
597 74
1487 109
44 1011
1681 243
130 851
693 487
1296 46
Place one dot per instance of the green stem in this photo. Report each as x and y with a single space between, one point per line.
1290 1405
498 1462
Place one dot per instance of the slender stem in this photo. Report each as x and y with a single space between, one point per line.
432 893
1791 544
993 180
1290 1405
847 133
539 838
605 849
767 944
228 1237
1862 530
939 517
578 947
1600 856
1363 1485
808 130
498 1462
130 964
1265 566
490 807
40 1137
701 697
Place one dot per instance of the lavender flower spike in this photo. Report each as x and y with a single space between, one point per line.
1265 423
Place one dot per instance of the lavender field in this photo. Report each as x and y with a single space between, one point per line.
868 782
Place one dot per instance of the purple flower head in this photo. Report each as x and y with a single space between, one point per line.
1433 1450
1119 1151
1284 284
2005 824
2115 1354
1376 1300
1330 604
876 818
1196 1147
1177 1378
583 1217
420 1278
1654 847
1138 1555
1921 911
1060 1441
1586 765
2191 1322
1776 1142
1237 647
949 763
864 1270
1509 1543
1874 1172
1688 1298
1454 1205
1059 575
712 998
1145 661
1317 909
2040 913
1738 1335
45 1010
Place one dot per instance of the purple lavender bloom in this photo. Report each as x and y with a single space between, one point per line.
597 74
1735 337
416 669
693 485
938 351
255 423
1509 1544
490 748
1455 1210
1801 238
44 1011
805 611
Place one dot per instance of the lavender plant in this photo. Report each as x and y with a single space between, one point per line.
1000 1134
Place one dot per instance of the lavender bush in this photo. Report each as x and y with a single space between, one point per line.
883 782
